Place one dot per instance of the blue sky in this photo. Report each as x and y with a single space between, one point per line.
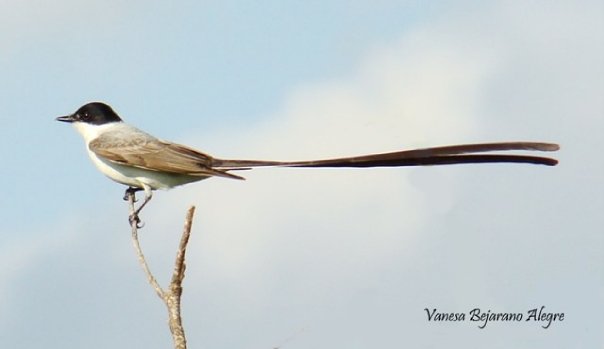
305 258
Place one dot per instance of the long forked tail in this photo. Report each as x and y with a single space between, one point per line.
447 155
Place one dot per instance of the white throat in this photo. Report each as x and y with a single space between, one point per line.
89 132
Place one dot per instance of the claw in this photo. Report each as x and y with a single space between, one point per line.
134 219
130 194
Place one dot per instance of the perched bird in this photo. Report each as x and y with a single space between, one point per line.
141 161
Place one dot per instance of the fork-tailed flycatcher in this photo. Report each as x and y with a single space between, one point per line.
143 162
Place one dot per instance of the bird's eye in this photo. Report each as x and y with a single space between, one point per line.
84 116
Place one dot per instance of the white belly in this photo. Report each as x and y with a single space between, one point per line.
138 177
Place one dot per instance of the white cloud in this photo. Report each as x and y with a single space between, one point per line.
330 237
410 94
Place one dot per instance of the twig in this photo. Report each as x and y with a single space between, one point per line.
139 252
171 296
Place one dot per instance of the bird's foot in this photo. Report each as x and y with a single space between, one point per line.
133 219
131 191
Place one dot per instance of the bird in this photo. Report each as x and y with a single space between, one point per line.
144 162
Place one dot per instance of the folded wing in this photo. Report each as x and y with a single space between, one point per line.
146 152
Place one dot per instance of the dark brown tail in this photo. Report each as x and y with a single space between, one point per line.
448 155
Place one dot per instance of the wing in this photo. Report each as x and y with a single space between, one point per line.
144 151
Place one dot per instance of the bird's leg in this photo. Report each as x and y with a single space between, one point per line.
130 195
148 195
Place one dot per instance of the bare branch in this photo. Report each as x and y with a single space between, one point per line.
179 263
171 296
139 253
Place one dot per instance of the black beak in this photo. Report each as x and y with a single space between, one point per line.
66 118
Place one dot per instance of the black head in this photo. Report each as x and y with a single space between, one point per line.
95 113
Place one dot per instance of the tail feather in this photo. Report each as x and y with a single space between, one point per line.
447 155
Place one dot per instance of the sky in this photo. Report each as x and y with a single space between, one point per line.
306 258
